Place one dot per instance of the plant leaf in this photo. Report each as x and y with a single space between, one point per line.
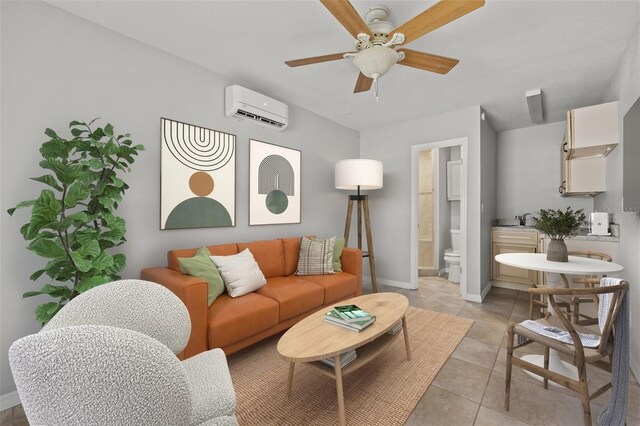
60 291
20 205
37 274
46 311
48 180
103 261
50 133
83 264
91 282
46 248
76 192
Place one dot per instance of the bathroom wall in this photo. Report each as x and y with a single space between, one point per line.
444 214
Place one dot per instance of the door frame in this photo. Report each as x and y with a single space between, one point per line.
415 150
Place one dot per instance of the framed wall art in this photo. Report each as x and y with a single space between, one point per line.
198 176
274 184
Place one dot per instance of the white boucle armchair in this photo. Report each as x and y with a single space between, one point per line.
109 358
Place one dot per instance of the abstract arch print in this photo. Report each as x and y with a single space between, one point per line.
274 184
198 176
276 181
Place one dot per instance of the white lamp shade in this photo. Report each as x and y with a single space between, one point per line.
354 173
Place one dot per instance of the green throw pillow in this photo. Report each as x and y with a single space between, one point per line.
202 266
337 252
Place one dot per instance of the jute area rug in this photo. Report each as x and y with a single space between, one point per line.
383 392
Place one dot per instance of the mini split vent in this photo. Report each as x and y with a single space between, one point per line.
260 109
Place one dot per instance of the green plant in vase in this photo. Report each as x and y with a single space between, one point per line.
72 222
558 225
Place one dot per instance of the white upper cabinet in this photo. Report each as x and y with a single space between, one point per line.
592 131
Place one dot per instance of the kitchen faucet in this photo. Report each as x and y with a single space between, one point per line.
523 219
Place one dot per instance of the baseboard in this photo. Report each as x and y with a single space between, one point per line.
9 400
392 283
486 290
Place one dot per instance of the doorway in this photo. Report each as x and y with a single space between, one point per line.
439 209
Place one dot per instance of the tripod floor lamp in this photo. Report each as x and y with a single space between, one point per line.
360 174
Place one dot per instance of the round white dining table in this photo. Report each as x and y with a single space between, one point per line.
554 273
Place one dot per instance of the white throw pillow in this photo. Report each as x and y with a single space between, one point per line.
240 273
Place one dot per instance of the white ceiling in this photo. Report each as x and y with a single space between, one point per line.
569 49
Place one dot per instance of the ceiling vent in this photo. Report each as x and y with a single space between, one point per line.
534 101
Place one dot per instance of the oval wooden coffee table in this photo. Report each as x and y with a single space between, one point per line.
313 339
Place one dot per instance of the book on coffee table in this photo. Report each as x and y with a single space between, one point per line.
397 327
333 318
345 359
352 313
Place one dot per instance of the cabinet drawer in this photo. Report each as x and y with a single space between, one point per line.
518 237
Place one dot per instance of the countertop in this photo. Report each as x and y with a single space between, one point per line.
580 237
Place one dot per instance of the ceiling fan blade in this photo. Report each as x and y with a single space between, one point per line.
427 61
363 84
436 16
315 59
347 16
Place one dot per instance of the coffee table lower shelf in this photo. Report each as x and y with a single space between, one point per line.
366 353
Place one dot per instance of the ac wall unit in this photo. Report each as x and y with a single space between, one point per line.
257 108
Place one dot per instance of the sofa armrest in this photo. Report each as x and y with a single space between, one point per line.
351 261
193 292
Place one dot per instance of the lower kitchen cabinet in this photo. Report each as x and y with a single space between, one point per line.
506 241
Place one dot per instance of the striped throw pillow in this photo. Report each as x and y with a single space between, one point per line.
316 256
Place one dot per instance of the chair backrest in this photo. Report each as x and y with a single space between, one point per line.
91 374
139 305
591 255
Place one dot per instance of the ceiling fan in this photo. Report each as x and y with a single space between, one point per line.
377 39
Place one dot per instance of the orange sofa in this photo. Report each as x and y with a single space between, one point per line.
235 323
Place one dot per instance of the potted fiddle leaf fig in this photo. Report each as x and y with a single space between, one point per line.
558 225
72 223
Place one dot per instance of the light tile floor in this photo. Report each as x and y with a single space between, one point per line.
469 390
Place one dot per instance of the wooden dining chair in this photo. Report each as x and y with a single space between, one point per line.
590 280
580 355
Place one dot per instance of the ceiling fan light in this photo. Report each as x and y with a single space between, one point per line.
375 60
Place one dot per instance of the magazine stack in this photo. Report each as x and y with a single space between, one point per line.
350 317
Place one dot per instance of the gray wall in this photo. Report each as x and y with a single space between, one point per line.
57 67
488 185
390 206
529 172
625 88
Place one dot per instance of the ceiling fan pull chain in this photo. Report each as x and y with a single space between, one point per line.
375 86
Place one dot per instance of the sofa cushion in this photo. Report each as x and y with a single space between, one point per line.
269 255
336 287
295 296
231 320
316 256
291 248
240 273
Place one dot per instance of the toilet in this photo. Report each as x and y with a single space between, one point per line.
452 257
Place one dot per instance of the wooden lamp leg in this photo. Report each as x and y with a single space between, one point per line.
362 210
347 225
372 263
